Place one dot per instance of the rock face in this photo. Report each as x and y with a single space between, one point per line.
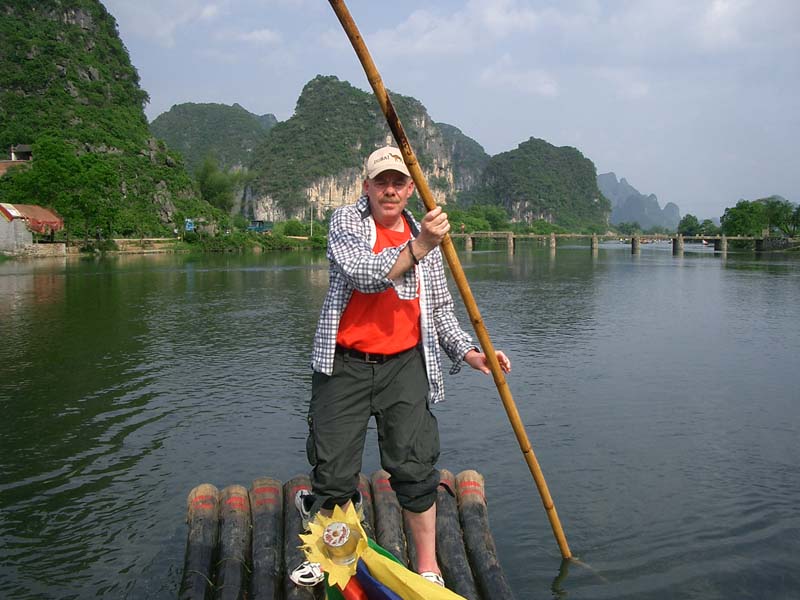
314 160
629 205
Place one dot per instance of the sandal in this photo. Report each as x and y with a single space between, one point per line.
433 577
308 574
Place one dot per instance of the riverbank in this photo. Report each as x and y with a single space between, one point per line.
236 242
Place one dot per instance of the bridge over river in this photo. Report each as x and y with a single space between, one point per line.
762 243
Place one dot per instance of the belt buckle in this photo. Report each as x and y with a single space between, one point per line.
369 360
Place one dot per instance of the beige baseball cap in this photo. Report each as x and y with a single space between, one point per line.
385 159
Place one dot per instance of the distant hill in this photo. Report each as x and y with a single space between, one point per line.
316 157
629 205
540 181
227 133
67 87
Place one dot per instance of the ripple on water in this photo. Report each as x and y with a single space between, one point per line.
664 422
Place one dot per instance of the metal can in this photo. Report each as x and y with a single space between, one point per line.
340 543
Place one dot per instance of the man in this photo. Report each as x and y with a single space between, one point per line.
376 352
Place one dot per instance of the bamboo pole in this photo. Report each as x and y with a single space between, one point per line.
457 271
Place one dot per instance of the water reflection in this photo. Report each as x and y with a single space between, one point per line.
659 392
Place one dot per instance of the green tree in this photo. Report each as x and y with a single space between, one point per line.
459 217
97 187
796 221
707 227
496 216
295 227
216 187
780 215
746 218
689 225
50 181
629 228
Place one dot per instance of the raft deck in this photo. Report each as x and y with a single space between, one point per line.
242 543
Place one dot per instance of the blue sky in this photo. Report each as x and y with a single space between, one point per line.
695 101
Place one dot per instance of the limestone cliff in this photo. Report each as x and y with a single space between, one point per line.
314 160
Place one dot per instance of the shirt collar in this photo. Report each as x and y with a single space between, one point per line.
363 208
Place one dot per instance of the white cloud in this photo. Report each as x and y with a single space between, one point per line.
158 20
503 74
425 33
502 17
435 32
259 37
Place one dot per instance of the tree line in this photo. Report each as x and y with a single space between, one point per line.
773 215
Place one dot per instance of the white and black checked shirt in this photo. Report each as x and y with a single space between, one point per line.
354 266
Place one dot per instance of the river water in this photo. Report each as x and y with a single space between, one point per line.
661 394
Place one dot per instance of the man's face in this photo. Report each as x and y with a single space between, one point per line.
388 195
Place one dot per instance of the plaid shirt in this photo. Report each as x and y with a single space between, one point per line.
354 266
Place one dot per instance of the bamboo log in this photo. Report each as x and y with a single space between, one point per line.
234 541
292 528
450 550
266 502
388 517
448 249
368 522
478 538
201 542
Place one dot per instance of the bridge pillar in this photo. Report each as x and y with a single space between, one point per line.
510 242
635 244
595 242
468 243
553 240
677 244
721 245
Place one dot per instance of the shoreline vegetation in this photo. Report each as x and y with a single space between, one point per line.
248 242
235 234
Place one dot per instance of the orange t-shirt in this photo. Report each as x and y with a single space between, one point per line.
381 323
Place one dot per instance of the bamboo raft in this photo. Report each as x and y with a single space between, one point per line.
242 543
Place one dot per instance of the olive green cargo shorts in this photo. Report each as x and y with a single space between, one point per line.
395 392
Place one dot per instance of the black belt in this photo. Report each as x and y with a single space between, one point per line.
369 357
